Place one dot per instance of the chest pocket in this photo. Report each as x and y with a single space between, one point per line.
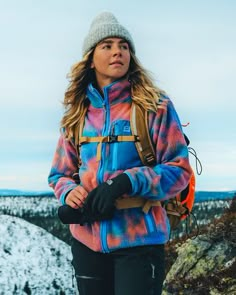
122 154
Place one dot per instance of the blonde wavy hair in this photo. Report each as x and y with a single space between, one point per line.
143 91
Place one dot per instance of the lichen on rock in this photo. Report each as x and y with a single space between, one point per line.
206 264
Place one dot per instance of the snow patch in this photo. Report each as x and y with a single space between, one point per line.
32 260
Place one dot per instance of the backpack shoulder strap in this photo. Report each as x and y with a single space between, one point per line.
139 127
76 140
78 132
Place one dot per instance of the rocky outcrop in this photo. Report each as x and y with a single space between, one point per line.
206 264
32 260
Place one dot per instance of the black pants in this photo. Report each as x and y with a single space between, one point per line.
131 271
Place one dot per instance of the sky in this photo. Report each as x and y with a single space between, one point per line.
189 47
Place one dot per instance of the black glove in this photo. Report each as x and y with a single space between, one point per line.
101 201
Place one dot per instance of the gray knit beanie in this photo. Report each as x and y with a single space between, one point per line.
103 26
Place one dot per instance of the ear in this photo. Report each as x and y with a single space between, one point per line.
92 65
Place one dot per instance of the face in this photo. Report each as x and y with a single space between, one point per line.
111 60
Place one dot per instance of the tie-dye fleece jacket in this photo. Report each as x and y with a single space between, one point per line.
110 115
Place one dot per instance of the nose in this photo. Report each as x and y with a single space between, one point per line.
117 50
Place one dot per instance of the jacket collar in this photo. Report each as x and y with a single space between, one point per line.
116 92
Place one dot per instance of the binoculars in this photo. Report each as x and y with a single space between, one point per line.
69 215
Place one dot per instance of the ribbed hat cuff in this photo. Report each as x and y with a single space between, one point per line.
105 31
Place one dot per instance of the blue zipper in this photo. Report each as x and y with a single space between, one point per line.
103 234
103 224
150 224
115 151
115 155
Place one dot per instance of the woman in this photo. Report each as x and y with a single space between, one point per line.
116 251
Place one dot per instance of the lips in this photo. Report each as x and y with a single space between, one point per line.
117 62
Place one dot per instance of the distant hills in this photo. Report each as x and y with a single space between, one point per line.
13 192
200 196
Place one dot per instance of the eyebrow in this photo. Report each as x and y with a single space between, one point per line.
109 41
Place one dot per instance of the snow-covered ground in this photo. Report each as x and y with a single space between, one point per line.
32 261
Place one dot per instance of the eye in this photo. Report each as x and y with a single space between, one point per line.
125 46
106 46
